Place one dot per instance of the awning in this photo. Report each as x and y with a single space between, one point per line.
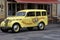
37 1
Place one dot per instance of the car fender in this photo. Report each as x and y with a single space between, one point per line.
13 22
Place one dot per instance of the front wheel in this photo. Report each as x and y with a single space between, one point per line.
16 28
41 26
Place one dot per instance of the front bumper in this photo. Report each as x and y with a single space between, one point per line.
3 25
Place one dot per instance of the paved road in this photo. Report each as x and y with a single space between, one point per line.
51 32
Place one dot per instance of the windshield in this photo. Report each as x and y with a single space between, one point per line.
20 13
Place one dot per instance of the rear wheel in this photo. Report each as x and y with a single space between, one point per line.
41 26
4 30
16 28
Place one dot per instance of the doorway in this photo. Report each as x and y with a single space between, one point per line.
11 9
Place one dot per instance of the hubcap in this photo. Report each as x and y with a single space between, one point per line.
16 28
41 26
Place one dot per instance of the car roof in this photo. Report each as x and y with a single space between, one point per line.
31 10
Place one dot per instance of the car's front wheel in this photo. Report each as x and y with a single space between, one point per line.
16 28
41 26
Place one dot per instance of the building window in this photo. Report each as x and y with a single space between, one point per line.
40 6
30 6
11 0
0 6
45 7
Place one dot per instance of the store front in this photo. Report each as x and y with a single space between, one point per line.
16 5
12 6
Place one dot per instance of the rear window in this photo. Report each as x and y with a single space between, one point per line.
43 13
38 13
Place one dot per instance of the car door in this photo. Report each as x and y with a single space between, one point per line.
29 19
38 17
44 15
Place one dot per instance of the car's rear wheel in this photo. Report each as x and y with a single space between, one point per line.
4 30
41 26
16 28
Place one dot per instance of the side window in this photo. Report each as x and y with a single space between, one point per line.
43 13
38 13
31 14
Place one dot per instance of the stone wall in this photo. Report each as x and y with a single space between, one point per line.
58 10
2 9
54 10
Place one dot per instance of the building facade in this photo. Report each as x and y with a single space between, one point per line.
10 7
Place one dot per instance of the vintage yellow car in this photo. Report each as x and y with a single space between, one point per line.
28 18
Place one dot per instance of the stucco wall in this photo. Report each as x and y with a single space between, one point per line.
58 9
54 11
2 9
